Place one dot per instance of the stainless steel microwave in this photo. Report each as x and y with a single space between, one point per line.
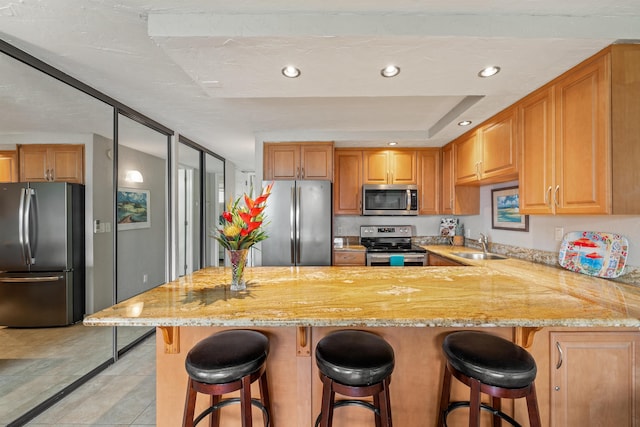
389 199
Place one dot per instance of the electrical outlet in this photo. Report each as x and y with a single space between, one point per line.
559 234
340 231
145 278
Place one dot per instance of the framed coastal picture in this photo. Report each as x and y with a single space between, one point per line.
133 209
505 210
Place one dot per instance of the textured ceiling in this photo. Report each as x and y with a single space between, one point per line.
211 70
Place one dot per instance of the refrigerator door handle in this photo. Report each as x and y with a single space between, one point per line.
23 192
30 279
292 227
298 203
27 217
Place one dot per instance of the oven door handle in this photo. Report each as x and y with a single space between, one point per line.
386 256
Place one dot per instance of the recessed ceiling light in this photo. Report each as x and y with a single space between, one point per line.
464 123
291 72
489 71
392 143
390 71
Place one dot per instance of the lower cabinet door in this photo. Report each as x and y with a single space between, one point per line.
594 379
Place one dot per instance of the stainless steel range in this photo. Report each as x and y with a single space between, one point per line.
385 241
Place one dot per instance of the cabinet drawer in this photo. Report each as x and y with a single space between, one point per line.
349 258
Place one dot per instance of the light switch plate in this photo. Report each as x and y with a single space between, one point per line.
559 234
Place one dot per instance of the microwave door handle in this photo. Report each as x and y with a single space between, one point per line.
408 199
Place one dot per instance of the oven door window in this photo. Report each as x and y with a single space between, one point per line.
384 259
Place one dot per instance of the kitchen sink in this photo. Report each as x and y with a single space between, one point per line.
478 255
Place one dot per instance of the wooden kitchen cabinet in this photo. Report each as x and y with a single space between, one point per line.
347 186
355 258
586 377
429 176
9 166
52 163
580 138
566 171
489 153
305 160
595 370
456 200
438 260
390 167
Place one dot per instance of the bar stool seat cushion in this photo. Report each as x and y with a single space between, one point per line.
355 358
227 356
490 359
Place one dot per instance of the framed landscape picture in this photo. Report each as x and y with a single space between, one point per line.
505 210
133 209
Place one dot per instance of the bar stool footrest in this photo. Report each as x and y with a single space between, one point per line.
350 402
230 401
483 406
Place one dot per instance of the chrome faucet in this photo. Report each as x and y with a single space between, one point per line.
484 242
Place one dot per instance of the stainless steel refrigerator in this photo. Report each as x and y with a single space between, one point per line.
298 224
42 259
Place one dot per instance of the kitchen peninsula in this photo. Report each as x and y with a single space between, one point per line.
412 307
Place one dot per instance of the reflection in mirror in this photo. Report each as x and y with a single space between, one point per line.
141 209
37 363
214 206
189 209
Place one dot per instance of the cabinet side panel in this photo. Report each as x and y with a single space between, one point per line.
625 106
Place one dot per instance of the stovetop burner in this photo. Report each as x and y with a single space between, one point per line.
392 239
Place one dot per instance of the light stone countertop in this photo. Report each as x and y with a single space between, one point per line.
506 293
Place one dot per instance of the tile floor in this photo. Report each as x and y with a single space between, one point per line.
121 395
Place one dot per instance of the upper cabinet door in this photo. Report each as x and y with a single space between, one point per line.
67 163
429 181
403 167
375 167
499 148
281 161
535 119
466 159
583 141
316 161
9 166
347 188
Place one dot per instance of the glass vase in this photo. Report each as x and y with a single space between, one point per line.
238 260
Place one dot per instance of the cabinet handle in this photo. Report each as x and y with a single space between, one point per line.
478 170
302 175
547 196
298 172
555 196
560 355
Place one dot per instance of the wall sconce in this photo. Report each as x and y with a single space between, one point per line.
133 176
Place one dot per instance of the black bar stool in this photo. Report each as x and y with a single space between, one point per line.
491 365
355 364
223 363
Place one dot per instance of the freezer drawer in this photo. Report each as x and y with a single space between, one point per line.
36 300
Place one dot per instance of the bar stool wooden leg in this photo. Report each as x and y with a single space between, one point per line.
532 407
266 400
474 405
328 396
214 418
445 395
496 403
189 405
